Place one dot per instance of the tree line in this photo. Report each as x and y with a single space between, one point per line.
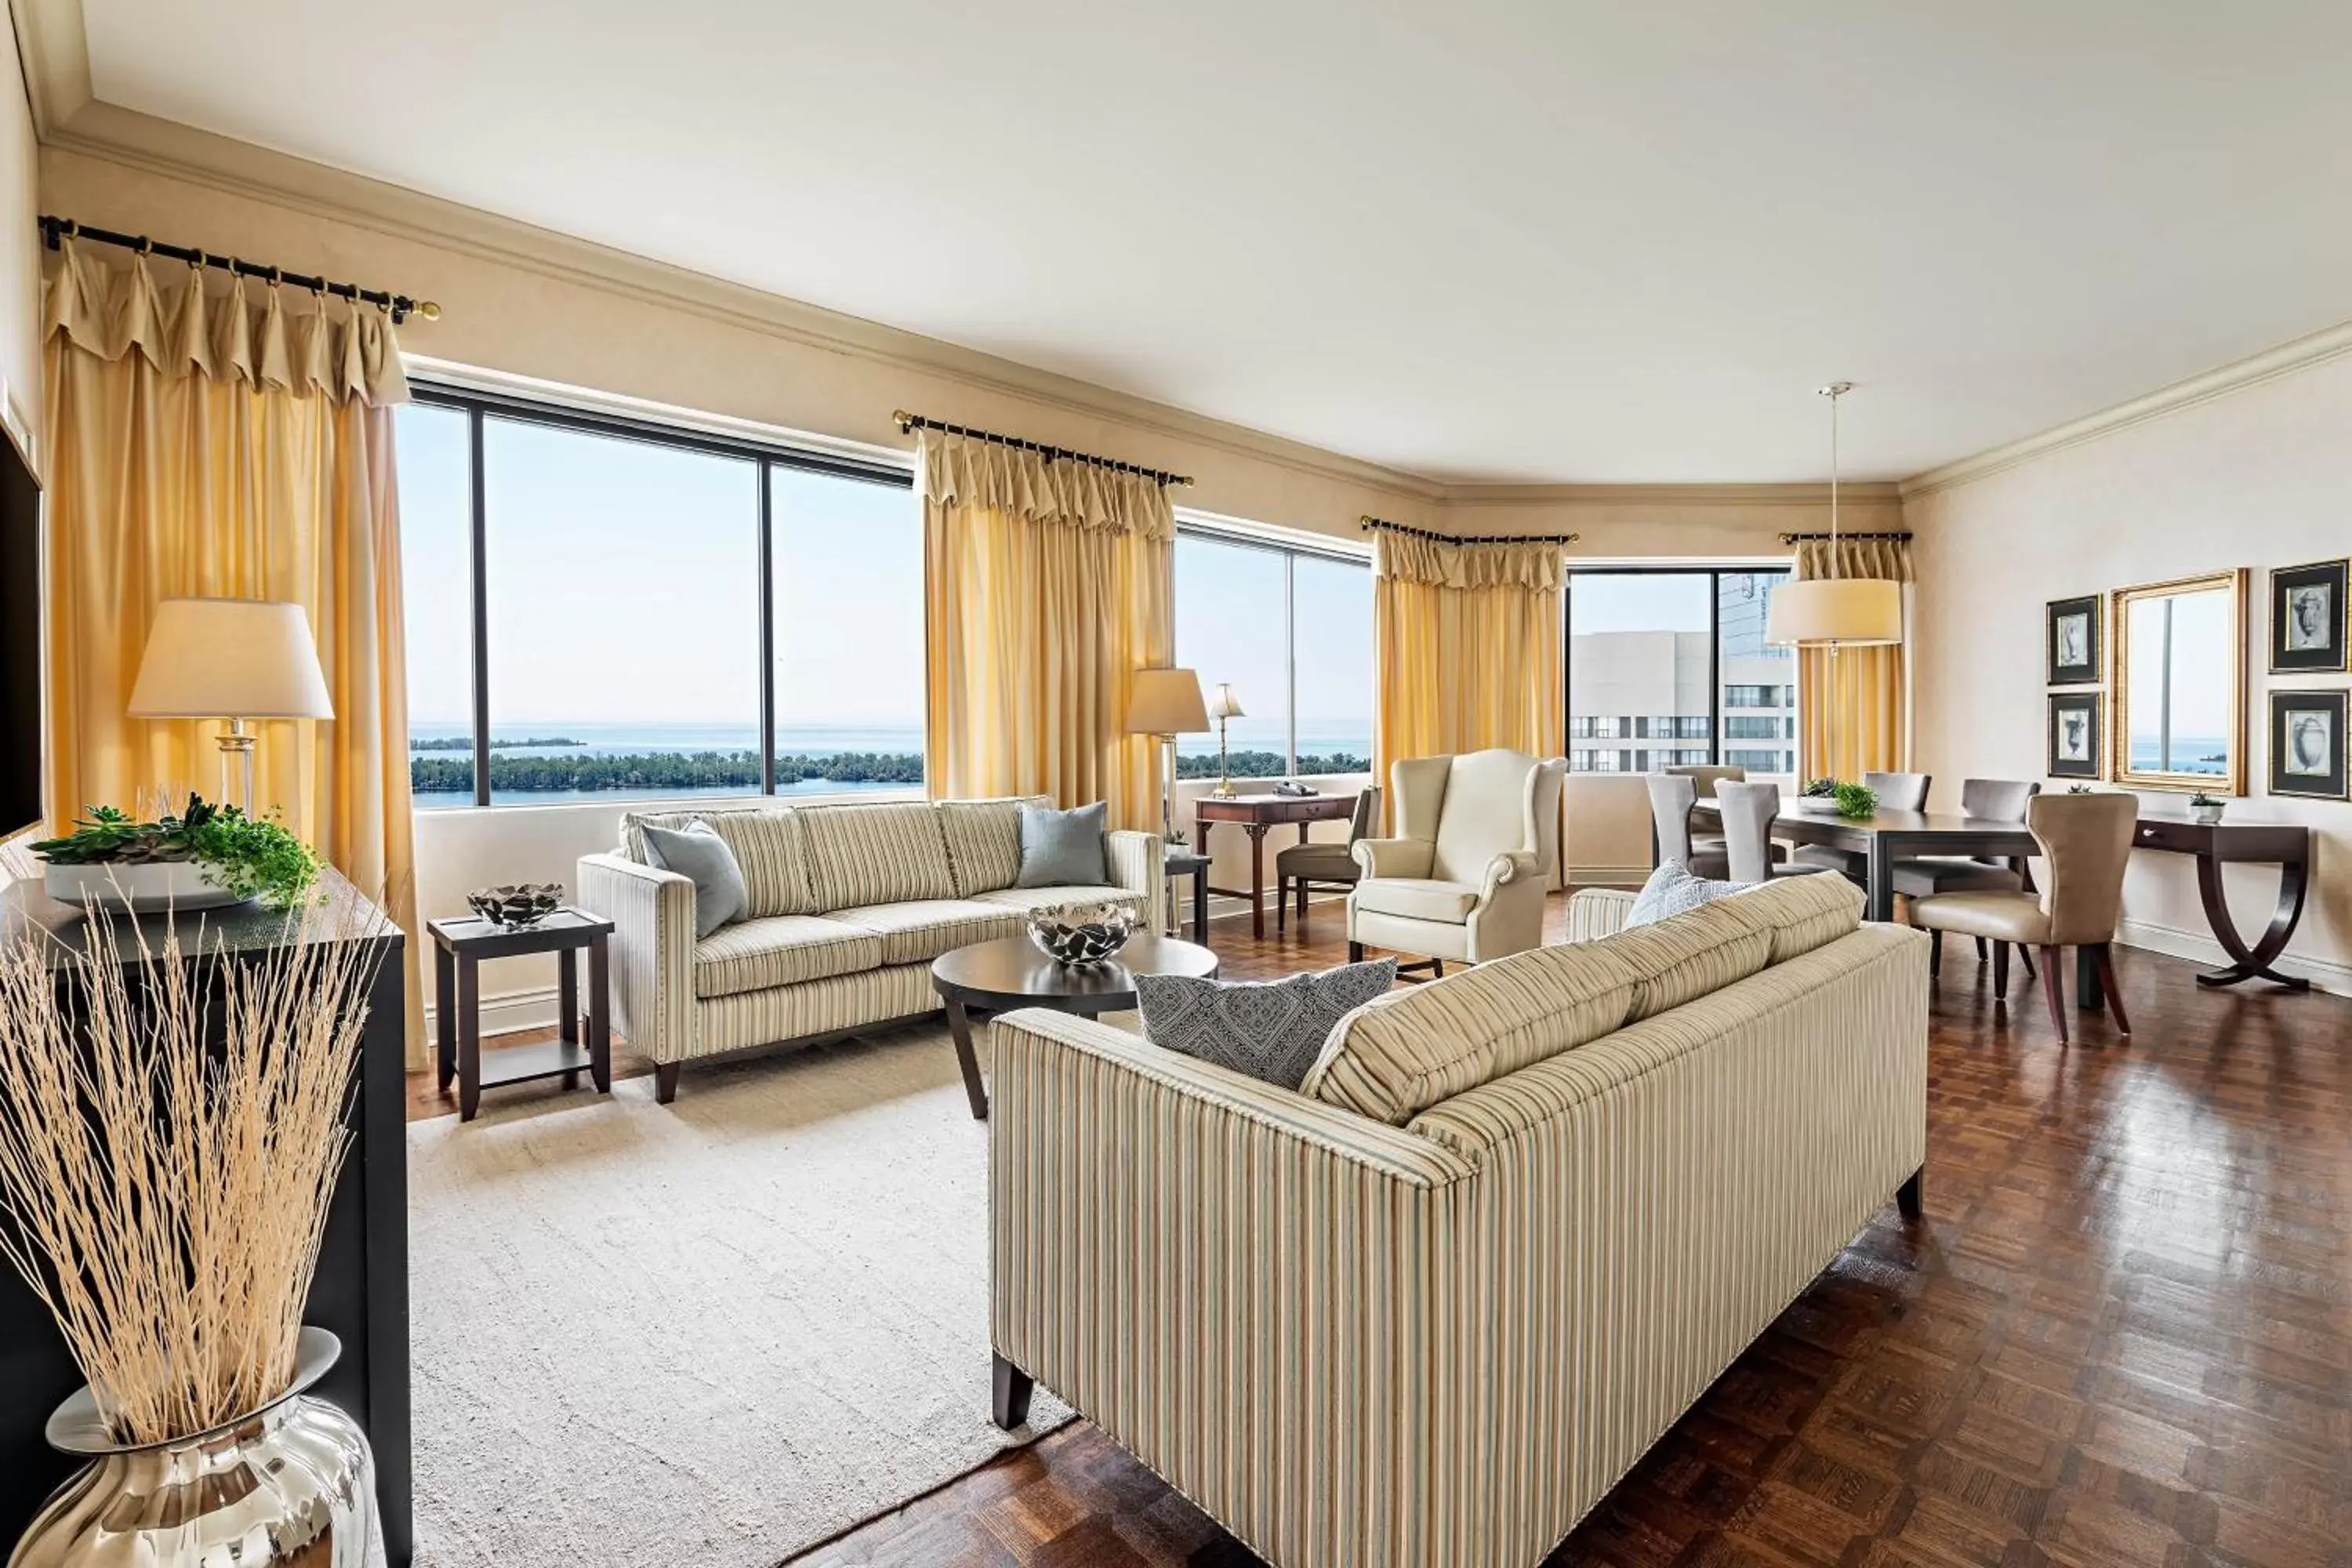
718 771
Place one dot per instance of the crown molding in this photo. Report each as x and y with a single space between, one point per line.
53 45
1809 494
2287 359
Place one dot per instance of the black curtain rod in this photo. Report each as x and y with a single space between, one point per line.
1369 522
54 230
1814 538
907 422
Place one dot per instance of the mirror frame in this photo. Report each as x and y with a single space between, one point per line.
2232 782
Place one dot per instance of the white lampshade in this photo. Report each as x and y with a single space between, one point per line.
1224 704
230 659
1844 610
1165 702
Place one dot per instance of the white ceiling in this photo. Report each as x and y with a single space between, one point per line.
1472 239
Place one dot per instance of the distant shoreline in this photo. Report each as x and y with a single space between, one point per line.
720 772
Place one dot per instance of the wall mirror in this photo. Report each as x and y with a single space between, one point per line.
2181 702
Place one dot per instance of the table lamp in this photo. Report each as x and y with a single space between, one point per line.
1165 703
234 659
1223 706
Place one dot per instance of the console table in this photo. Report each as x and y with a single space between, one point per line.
2221 844
1255 814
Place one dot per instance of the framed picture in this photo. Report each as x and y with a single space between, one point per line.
2076 748
2077 641
2307 625
2307 744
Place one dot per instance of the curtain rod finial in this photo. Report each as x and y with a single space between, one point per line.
429 309
902 419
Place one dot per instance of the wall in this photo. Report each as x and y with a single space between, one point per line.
2257 478
20 271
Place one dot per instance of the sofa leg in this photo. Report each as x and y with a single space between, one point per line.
1009 1392
1354 952
665 1082
1911 1197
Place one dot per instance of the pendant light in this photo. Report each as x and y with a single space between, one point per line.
1836 612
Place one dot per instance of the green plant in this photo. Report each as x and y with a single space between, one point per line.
1821 789
251 858
1855 802
2202 798
2078 789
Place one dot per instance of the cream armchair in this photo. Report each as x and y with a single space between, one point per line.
1465 876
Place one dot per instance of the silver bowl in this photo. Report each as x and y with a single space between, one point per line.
517 906
1082 935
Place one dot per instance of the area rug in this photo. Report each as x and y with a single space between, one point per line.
714 1332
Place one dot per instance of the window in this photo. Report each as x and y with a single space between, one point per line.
643 592
1678 654
1290 630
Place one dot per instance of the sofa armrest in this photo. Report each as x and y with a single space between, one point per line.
1394 856
1596 912
652 912
1138 861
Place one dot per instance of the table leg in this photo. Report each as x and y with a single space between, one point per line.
960 1026
2251 963
1256 831
1882 879
445 1016
469 1037
600 1014
567 1024
1201 906
2089 995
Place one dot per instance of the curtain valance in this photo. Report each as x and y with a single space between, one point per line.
1013 481
1886 558
183 329
1469 564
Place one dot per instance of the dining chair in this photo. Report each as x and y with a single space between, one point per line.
1748 811
1672 795
1896 792
1329 866
2085 842
1995 800
1706 775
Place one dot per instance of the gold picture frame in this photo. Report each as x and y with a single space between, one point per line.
2230 778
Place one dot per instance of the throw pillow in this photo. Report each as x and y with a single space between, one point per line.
1673 890
1062 849
696 851
1270 1029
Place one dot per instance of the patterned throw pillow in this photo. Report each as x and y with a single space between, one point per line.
1270 1029
1672 889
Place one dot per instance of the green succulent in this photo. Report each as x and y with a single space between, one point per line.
251 858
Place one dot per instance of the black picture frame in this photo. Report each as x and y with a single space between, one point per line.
2083 664
2295 717
2309 625
2093 762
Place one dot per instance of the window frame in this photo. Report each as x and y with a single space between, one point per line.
1717 707
479 406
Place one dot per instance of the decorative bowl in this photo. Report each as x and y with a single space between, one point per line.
1082 935
151 887
1819 805
517 906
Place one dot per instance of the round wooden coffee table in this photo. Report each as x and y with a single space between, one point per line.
1014 972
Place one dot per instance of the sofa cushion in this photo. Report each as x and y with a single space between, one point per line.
1271 1029
921 929
1027 899
886 854
1401 1056
767 845
697 853
1417 899
1802 912
984 841
1062 849
1688 955
779 949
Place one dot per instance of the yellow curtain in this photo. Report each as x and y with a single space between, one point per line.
1467 648
203 445
1867 704
1047 587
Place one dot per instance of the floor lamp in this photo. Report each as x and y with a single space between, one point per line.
1165 703
234 659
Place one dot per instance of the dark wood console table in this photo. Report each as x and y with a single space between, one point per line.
1255 814
2221 844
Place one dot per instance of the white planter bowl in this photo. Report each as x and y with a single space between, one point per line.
1819 805
146 890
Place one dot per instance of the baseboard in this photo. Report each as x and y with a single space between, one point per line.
2198 947
1608 876
536 1007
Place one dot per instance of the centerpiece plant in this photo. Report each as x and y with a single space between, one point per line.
1855 802
250 858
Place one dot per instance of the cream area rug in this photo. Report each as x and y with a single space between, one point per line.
711 1333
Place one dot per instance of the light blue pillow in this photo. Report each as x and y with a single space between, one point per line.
1672 889
1062 849
696 850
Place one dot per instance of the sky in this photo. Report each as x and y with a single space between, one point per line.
2203 663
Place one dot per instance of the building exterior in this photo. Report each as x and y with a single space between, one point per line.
1641 701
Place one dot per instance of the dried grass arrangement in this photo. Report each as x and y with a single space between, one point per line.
171 1131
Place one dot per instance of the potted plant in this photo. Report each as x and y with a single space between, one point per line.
1855 802
1819 795
2206 808
208 855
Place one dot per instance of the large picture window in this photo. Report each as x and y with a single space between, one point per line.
1289 629
599 608
1667 666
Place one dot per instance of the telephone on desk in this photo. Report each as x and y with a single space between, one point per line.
1293 788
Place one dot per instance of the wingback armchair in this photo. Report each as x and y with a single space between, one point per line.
1465 876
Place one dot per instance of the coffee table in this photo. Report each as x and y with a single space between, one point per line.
1014 972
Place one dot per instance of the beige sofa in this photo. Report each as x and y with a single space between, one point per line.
1424 1312
849 906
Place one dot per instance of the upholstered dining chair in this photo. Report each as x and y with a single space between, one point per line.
1748 811
1465 876
1706 775
1996 800
1896 792
1672 795
2085 842
1329 866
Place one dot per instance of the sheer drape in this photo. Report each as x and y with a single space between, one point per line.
1468 648
206 443
1871 692
1048 586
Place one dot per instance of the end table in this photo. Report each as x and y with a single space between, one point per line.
1184 863
461 945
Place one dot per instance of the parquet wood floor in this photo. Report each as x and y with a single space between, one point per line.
2122 1336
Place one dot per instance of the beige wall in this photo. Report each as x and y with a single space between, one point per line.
20 267
2258 477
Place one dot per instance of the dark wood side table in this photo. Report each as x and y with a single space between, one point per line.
1014 972
1257 814
1184 863
2219 844
462 945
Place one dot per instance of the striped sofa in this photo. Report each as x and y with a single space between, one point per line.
1426 1311
849 906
